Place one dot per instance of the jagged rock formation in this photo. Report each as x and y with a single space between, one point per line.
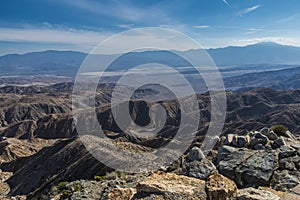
246 110
264 166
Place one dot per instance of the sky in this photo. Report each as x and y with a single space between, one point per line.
79 25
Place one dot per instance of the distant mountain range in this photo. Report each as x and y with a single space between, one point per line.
260 53
67 62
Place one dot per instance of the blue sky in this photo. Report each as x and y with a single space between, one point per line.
35 25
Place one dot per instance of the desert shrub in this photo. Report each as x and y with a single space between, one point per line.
62 185
77 186
65 194
279 129
99 178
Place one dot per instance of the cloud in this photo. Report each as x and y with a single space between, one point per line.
146 38
248 10
288 19
114 9
226 2
201 27
90 39
121 10
252 30
126 26
48 35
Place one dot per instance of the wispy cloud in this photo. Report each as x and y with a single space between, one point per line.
90 39
226 2
252 30
248 10
289 18
201 26
126 26
113 9
121 10
49 35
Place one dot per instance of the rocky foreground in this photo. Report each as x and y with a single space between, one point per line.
260 165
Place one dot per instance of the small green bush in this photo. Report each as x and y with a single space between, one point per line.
65 194
99 178
62 185
279 129
77 186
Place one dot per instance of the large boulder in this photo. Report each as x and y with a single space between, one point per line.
287 163
243 141
270 134
231 161
285 180
199 169
286 151
171 186
249 168
196 165
294 194
255 194
219 187
278 142
223 151
195 154
237 140
258 139
121 194
229 139
290 135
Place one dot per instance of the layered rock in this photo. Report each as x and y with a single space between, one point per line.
220 187
171 186
255 194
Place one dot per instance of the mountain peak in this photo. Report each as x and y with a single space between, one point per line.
267 44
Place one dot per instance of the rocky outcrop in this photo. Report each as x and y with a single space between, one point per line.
66 160
261 164
257 140
237 140
199 169
249 168
255 194
16 108
293 195
278 143
55 126
196 165
12 149
220 187
285 179
121 194
22 130
171 186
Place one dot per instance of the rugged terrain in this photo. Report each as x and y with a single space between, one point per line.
42 156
